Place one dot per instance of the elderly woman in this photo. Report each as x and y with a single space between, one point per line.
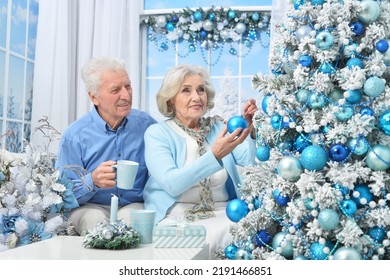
193 159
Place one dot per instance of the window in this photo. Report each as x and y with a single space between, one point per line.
18 26
231 64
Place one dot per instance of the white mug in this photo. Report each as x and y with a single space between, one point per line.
126 171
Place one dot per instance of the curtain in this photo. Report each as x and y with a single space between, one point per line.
70 33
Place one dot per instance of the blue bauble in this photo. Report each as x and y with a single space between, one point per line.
364 192
257 202
374 86
277 121
349 207
355 62
191 48
255 16
236 122
382 46
355 95
384 122
263 153
289 168
317 2
377 233
203 33
336 94
169 26
197 16
163 46
338 152
358 146
357 28
262 238
236 209
347 253
264 103
303 95
305 61
386 54
328 219
370 11
317 250
212 16
326 68
366 111
324 40
243 255
279 238
300 258
285 146
298 4
231 14
317 101
378 158
344 113
344 190
280 198
230 251
301 142
313 158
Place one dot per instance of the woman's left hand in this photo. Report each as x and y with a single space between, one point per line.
249 110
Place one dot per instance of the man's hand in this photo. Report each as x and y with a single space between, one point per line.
104 175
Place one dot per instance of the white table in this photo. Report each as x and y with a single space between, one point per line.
71 248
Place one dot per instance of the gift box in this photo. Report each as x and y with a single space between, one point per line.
179 236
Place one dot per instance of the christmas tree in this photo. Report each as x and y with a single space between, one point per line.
321 188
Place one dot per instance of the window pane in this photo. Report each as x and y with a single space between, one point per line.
3 22
173 4
15 88
14 138
32 28
18 26
2 65
257 58
29 91
226 97
158 62
27 132
152 87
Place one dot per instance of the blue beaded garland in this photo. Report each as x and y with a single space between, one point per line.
236 122
382 46
377 233
313 158
236 209
262 238
364 192
348 207
338 152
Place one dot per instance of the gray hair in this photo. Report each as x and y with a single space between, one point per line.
93 70
171 86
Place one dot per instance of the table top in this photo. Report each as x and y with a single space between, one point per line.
71 248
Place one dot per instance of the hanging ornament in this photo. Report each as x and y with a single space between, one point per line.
347 253
236 122
236 209
357 28
197 16
163 46
344 190
303 32
261 238
305 60
374 86
255 16
289 168
264 103
348 207
280 198
344 113
317 251
230 251
170 27
231 14
361 195
358 146
233 51
354 96
240 28
303 95
378 158
382 46
161 21
285 146
263 153
280 241
328 219
370 11
191 48
355 62
313 158
326 68
317 101
302 141
377 233
384 122
338 152
366 111
324 40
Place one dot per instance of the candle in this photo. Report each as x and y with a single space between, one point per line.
114 209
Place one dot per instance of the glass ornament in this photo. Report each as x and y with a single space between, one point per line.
276 121
355 95
317 250
255 16
374 86
357 28
161 21
241 254
230 251
236 122
169 26
344 113
211 16
366 111
317 101
336 94
305 60
280 198
279 238
197 16
326 68
344 190
349 207
285 146
377 233
300 258
207 25
378 158
313 158
370 11
328 219
338 152
384 122
231 14
382 46
303 95
324 40
355 62
364 192
347 253
236 209
289 168
240 28
261 238
163 46
303 32
191 48
233 51
298 4
263 153
264 103
358 146
302 141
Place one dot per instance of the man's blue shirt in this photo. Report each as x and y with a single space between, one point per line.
90 141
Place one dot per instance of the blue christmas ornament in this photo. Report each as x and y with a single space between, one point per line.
370 11
298 4
285 146
264 103
169 26
328 219
230 251
243 255
358 146
313 158
364 193
355 62
377 233
289 168
366 111
231 14
203 33
326 68
344 113
175 19
317 250
236 122
300 258
317 2
336 95
277 121
257 203
211 16
384 122
338 152
374 86
378 158
382 46
279 238
357 28
262 238
347 253
344 190
307 203
263 153
317 101
236 209
197 16
163 46
191 48
255 16
355 95
303 95
280 198
302 141
349 207
324 40
305 61
233 51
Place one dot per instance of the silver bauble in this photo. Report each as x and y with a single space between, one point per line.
161 21
240 28
302 32
290 168
347 253
207 25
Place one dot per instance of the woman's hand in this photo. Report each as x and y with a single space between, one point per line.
224 145
249 110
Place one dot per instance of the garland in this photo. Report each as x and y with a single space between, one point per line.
210 29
